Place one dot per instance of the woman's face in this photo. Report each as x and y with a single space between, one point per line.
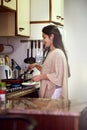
47 41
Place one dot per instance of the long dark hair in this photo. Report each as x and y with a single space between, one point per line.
57 41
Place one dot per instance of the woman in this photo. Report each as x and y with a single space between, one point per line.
54 70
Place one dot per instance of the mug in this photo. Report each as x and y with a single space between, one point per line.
5 72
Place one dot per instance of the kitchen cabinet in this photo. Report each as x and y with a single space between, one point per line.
57 11
47 11
16 23
10 4
23 17
7 23
41 11
62 12
62 8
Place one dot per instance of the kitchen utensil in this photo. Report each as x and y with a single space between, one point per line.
17 66
2 60
5 72
39 54
7 60
27 60
26 80
35 47
26 73
32 59
29 83
12 64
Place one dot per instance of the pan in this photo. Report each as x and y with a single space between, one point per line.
18 80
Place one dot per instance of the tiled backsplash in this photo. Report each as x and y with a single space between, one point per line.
20 48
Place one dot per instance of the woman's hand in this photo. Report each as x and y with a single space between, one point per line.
31 66
36 78
40 77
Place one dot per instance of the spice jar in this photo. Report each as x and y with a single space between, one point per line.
2 95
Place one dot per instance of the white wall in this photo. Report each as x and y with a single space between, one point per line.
76 43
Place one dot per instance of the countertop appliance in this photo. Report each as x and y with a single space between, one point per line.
5 72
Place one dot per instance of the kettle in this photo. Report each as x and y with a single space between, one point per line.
5 72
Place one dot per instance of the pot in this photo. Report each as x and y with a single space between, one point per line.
5 72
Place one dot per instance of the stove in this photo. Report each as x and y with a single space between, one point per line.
17 87
19 90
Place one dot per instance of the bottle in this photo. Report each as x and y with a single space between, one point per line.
2 95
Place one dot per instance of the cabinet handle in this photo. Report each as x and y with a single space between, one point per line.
58 17
7 0
21 29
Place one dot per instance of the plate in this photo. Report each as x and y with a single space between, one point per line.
29 83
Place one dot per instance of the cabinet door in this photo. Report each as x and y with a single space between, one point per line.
62 8
23 17
11 4
47 11
39 10
62 12
56 11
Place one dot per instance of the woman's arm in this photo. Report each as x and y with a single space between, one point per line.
40 77
39 67
31 66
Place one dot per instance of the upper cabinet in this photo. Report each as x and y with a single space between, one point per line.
57 11
7 23
47 11
41 11
9 4
13 23
23 17
62 8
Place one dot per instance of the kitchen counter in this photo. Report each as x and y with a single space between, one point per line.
37 105
46 106
56 114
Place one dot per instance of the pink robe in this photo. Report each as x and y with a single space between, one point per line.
55 66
